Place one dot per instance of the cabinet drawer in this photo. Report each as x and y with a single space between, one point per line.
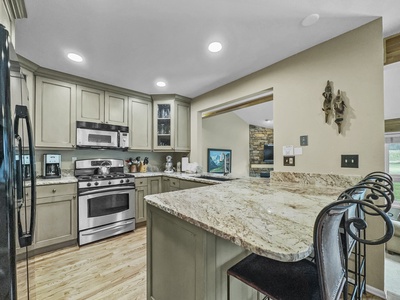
174 182
141 181
56 190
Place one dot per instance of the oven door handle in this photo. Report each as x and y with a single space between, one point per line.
106 189
107 228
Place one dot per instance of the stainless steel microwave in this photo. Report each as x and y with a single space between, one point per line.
101 136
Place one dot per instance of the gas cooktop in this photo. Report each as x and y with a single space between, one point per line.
87 173
96 177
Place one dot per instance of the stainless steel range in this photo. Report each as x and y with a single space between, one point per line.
106 199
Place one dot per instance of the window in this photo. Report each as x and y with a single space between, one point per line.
392 158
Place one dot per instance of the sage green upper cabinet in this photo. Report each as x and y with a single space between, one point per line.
55 113
116 109
90 105
182 125
140 124
171 127
98 106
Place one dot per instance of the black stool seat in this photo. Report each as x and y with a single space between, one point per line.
278 280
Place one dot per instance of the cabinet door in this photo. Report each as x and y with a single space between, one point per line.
187 184
154 184
174 184
165 185
163 116
116 109
182 126
55 113
56 220
140 124
141 192
90 105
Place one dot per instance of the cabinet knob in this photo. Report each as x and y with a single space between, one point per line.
54 190
26 194
73 197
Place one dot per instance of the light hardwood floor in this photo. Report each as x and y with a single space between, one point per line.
114 268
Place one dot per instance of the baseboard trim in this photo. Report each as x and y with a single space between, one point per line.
374 291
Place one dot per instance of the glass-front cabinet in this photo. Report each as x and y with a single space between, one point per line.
164 125
171 116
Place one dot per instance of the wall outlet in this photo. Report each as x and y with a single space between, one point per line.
304 140
350 161
288 161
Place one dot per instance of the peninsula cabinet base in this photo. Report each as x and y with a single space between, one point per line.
187 262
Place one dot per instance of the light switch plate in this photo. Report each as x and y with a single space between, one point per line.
304 140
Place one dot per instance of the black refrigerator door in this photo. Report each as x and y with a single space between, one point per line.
25 237
8 286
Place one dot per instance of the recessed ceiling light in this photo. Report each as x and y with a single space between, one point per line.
75 57
161 84
215 47
310 20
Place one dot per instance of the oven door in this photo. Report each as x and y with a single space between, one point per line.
105 206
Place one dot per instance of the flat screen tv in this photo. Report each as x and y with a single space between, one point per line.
269 153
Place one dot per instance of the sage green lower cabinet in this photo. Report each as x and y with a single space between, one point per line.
165 184
145 186
56 217
141 192
174 184
187 262
155 186
56 214
187 184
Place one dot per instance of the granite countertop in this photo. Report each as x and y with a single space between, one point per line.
48 181
186 176
270 219
72 179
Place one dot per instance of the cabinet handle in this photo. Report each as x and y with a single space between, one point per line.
54 190
73 197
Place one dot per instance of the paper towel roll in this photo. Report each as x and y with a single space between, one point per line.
185 162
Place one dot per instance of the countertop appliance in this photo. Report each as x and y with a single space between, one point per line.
101 136
26 166
15 139
51 166
106 202
168 165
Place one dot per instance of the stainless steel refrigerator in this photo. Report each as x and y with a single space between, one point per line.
17 215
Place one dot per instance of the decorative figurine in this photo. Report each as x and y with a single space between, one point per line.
327 105
339 106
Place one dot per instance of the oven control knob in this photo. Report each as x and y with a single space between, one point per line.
127 180
122 181
88 184
109 182
96 183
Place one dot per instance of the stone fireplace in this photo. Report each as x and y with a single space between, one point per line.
259 136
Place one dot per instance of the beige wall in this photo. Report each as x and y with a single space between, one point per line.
228 131
354 63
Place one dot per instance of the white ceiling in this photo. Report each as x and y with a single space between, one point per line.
134 43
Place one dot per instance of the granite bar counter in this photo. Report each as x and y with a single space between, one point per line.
213 227
274 220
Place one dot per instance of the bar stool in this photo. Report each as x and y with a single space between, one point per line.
304 280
